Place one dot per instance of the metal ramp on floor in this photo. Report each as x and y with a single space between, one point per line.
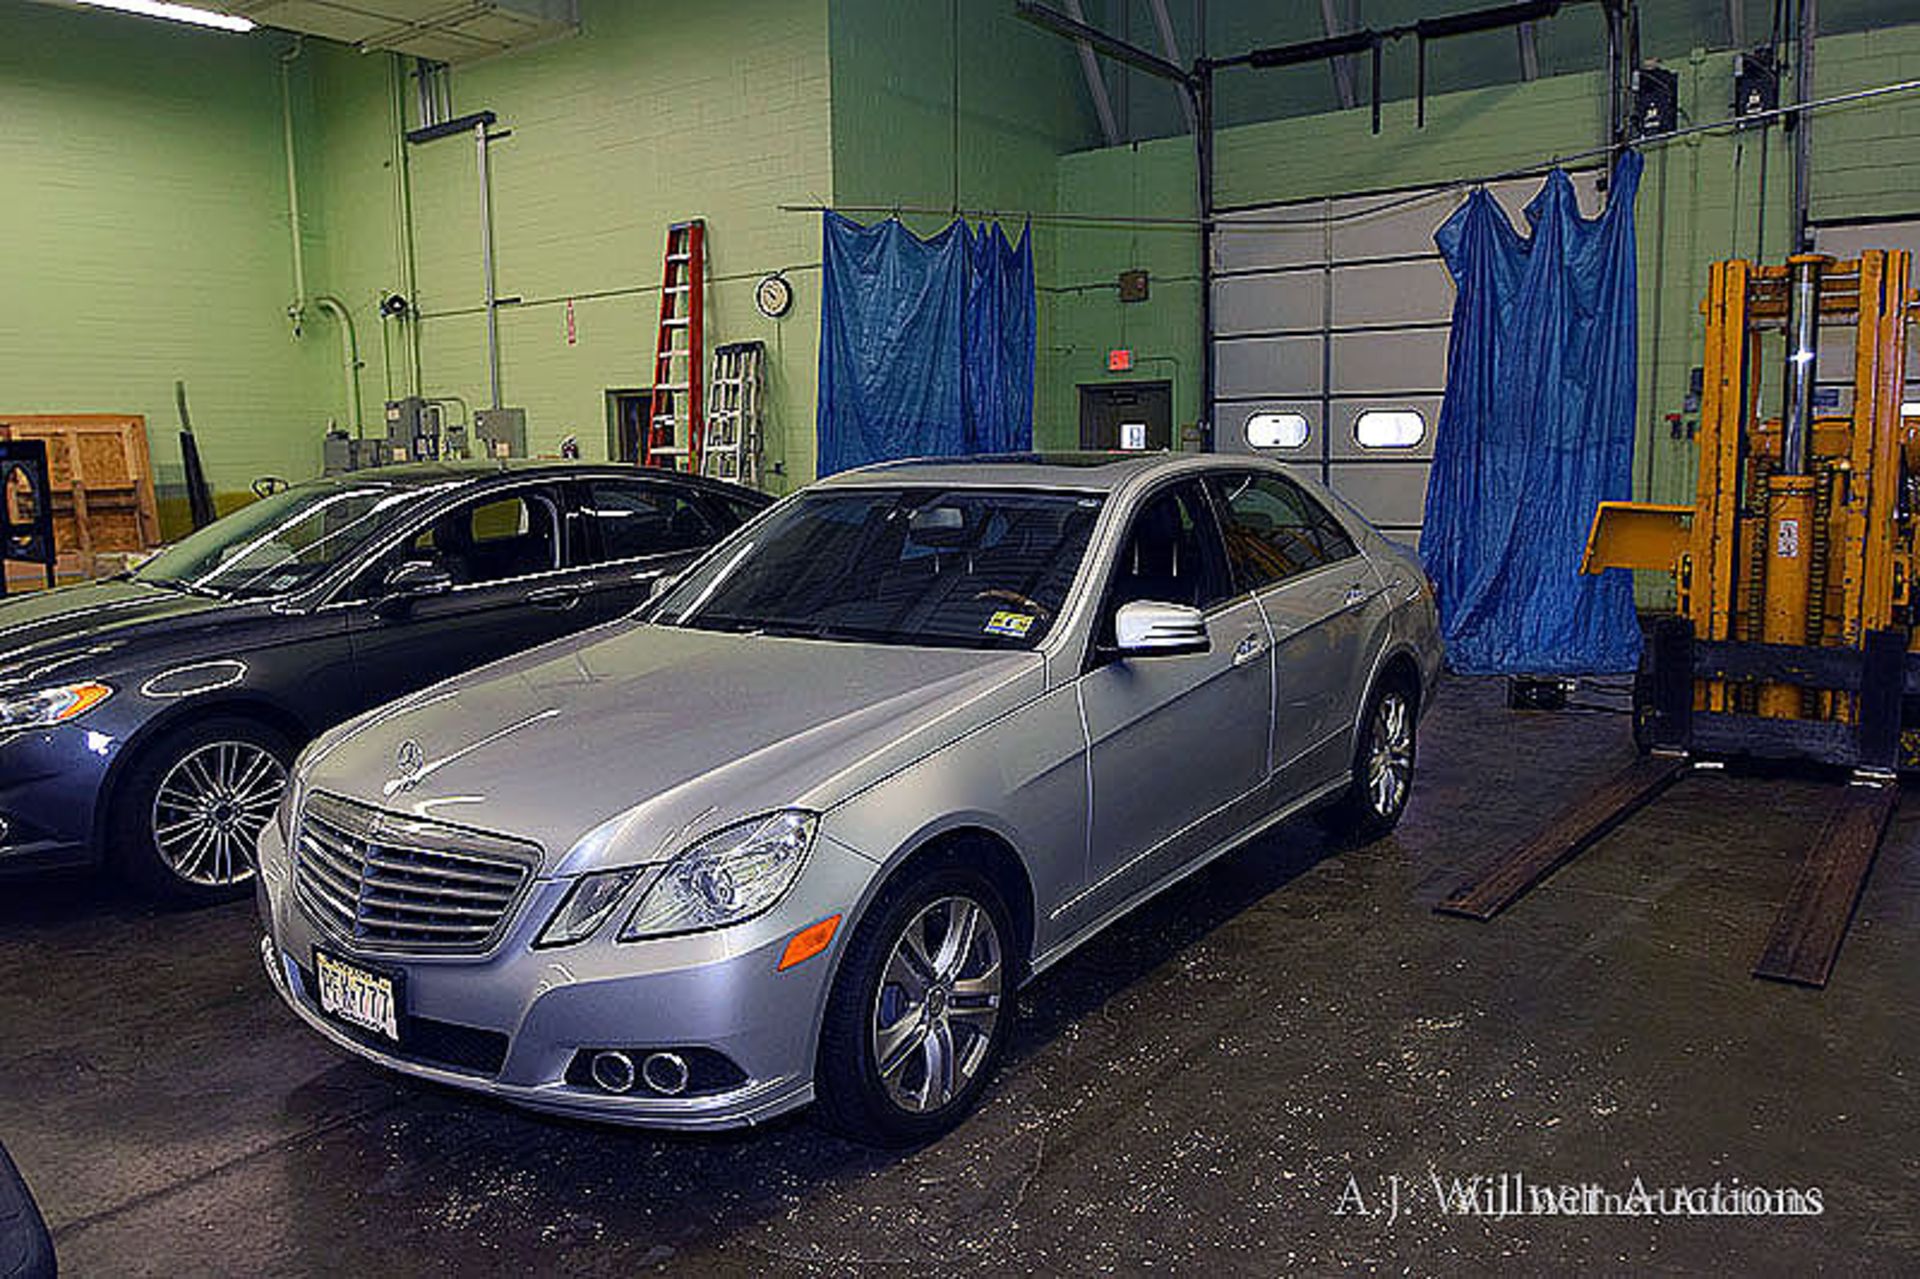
1813 922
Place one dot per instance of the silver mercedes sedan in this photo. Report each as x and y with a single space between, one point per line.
798 829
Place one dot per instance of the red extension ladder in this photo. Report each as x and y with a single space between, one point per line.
675 425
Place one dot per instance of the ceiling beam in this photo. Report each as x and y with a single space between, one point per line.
1342 67
1171 47
1113 47
1096 81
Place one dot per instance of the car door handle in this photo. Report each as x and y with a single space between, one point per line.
1249 648
558 598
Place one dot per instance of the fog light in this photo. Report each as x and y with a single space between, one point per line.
666 1073
613 1071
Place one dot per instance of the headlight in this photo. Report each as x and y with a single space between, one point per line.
46 707
727 877
587 906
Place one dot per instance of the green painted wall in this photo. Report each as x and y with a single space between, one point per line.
898 139
641 120
144 225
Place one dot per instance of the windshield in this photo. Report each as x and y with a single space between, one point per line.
955 568
280 543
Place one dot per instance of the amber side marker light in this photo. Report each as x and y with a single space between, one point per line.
809 942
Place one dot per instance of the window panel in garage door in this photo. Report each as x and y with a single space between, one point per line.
1386 306
1833 370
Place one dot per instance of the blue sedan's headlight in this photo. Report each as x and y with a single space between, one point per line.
45 707
730 876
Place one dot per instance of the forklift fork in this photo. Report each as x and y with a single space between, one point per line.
1813 922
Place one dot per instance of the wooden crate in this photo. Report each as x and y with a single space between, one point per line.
103 501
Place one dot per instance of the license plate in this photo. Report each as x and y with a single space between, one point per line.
368 1000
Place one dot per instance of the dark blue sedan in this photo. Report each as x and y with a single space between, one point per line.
147 722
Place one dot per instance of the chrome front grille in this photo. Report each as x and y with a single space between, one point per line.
392 883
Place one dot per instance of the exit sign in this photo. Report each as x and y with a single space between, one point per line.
1119 360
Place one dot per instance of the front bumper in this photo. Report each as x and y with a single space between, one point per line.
50 782
510 1024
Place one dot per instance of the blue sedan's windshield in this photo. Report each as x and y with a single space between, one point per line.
966 568
280 543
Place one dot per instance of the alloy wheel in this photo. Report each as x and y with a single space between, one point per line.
937 1005
210 809
1390 754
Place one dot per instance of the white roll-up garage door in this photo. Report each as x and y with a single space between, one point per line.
1330 337
1833 370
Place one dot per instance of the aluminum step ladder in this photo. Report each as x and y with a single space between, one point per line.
731 446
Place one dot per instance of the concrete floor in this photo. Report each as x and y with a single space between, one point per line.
1194 1088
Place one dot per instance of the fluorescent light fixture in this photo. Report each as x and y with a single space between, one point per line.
175 13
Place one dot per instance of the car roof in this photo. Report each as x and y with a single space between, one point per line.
421 475
1099 472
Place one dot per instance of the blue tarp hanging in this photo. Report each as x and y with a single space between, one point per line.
926 346
1536 430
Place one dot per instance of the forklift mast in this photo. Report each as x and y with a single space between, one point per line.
1797 556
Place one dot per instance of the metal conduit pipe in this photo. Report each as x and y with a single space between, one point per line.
349 357
287 59
325 303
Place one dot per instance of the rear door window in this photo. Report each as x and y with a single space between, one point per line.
1275 530
629 520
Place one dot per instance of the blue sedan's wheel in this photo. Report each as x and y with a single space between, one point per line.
190 812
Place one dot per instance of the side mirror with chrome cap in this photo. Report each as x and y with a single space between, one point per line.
1150 628
414 580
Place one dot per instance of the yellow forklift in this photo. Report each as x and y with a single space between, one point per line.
1794 633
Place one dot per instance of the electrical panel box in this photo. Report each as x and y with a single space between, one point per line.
414 428
1756 82
341 453
1133 286
404 418
501 432
1656 100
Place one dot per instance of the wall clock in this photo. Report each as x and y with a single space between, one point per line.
774 296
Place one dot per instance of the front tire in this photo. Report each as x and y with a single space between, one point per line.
187 816
1382 766
920 1010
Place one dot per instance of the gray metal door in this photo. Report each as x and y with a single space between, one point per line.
1330 338
1126 415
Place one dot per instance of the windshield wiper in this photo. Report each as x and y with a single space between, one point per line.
731 625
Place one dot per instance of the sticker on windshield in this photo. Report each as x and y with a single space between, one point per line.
1015 624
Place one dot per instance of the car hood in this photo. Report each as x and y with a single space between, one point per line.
77 630
648 737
